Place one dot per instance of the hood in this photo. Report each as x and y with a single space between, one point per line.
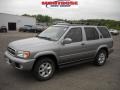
29 43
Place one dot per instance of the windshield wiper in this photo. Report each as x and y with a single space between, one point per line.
47 38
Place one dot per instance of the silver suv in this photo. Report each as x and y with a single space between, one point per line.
60 46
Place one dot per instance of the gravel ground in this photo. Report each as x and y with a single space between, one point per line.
80 77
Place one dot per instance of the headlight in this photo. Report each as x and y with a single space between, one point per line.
23 54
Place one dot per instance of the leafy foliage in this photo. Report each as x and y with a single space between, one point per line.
100 22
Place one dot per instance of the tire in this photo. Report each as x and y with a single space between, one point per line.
44 69
101 58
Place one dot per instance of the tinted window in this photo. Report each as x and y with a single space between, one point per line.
91 33
75 34
104 32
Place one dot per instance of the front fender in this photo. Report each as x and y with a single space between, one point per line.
46 53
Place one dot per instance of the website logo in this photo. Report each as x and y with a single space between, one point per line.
60 3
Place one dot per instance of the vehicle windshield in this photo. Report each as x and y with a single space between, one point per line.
53 33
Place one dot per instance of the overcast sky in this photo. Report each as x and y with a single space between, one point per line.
88 9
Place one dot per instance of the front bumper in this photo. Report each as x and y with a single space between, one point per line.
18 63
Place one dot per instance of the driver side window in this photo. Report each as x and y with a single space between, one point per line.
75 34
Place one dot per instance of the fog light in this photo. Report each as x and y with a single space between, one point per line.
19 66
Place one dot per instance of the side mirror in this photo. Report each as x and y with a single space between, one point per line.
67 41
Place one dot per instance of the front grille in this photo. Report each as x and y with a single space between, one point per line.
11 51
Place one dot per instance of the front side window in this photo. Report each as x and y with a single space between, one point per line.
91 33
53 33
75 34
105 33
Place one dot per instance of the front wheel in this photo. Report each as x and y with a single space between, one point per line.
44 69
101 58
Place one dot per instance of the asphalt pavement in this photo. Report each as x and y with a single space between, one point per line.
81 77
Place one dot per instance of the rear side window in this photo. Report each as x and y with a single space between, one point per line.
91 33
105 33
75 34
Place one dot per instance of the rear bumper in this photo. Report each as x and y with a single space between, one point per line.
110 50
18 63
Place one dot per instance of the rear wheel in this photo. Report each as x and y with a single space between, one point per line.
44 69
101 58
